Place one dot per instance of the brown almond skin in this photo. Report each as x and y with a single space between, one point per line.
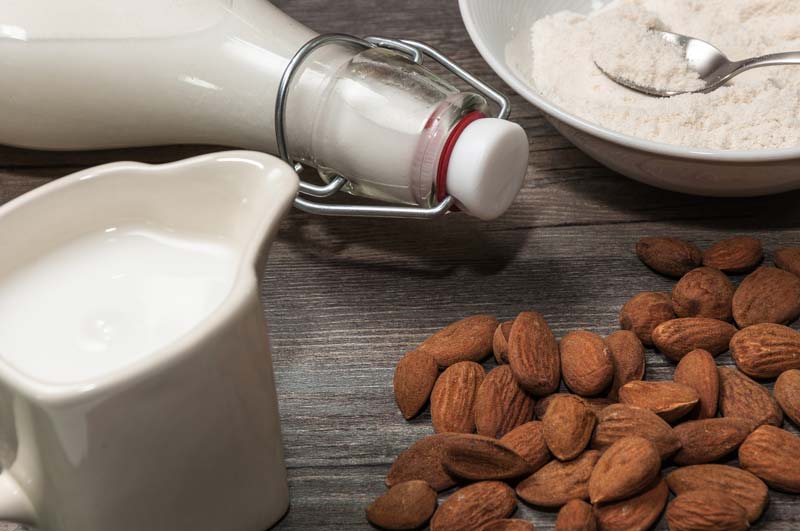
627 353
766 350
735 255
568 426
698 370
767 295
500 342
558 482
453 397
474 506
533 354
414 378
577 515
628 467
501 404
596 403
773 455
678 337
528 442
469 339
744 488
586 364
479 458
669 256
703 292
708 440
669 400
788 259
423 460
638 513
739 396
644 312
619 421
787 394
509 524
407 505
705 511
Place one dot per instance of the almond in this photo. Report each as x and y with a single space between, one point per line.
533 354
744 488
705 511
474 506
669 400
479 458
703 292
500 342
509 524
739 396
669 256
453 397
644 312
619 421
528 442
501 405
558 482
423 460
576 515
414 378
766 350
788 259
698 370
628 467
586 364
627 353
787 393
638 513
767 295
407 505
469 339
597 404
735 255
773 455
568 426
707 440
678 337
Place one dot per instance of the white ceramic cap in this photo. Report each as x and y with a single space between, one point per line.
487 167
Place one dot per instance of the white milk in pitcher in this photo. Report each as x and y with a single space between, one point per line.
106 300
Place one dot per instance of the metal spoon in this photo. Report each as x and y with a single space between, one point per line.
713 67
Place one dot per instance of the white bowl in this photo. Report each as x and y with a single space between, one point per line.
501 30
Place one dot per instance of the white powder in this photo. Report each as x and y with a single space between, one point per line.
759 109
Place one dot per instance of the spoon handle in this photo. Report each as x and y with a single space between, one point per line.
775 59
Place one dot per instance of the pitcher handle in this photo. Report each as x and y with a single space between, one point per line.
15 506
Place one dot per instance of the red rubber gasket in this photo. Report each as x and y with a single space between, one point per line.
447 152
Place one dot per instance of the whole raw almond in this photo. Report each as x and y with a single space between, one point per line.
773 455
698 370
627 353
678 337
407 505
576 515
735 255
558 482
708 440
586 364
705 510
509 524
638 513
453 397
469 339
788 259
669 400
423 460
767 295
627 468
568 426
739 396
595 402
474 506
414 378
703 292
766 350
744 488
533 354
669 256
528 442
500 342
501 404
787 393
479 458
619 420
644 312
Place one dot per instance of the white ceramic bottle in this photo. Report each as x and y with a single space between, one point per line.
89 74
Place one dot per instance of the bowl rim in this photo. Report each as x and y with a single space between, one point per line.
525 90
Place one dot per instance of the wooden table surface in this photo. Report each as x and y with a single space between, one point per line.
345 298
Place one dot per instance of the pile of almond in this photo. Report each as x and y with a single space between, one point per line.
596 453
